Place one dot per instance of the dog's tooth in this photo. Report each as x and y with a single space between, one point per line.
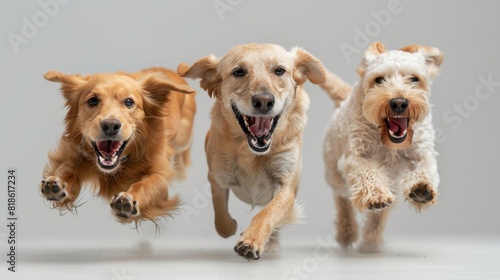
395 136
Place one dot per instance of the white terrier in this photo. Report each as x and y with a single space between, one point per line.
380 139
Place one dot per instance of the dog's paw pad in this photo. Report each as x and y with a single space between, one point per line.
422 193
53 189
380 201
372 198
124 206
247 251
380 205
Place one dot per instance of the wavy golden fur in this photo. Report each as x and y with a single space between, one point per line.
127 136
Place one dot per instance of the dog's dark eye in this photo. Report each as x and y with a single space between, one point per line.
414 79
93 101
279 71
239 73
129 102
379 80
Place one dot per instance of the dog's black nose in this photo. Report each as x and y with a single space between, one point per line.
398 105
263 102
110 127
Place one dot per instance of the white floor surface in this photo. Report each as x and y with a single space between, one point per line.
456 259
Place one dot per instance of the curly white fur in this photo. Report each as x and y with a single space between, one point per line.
366 170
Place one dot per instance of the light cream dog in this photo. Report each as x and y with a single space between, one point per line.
381 139
254 143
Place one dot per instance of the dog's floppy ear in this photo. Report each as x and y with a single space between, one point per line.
371 53
433 56
206 70
156 90
307 67
155 83
70 84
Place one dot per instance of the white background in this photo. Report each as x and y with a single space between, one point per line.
107 36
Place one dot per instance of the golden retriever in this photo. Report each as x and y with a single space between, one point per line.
127 135
254 143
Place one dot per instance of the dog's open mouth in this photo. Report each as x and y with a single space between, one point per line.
398 128
258 129
108 152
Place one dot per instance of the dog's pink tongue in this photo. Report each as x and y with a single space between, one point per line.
108 147
260 126
398 125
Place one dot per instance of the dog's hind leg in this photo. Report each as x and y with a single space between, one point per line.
373 230
273 244
224 223
182 159
347 227
184 136
346 224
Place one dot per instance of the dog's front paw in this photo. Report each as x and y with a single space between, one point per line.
249 247
421 195
373 199
125 208
380 203
54 189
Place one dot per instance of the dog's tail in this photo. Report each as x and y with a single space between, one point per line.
295 216
336 88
